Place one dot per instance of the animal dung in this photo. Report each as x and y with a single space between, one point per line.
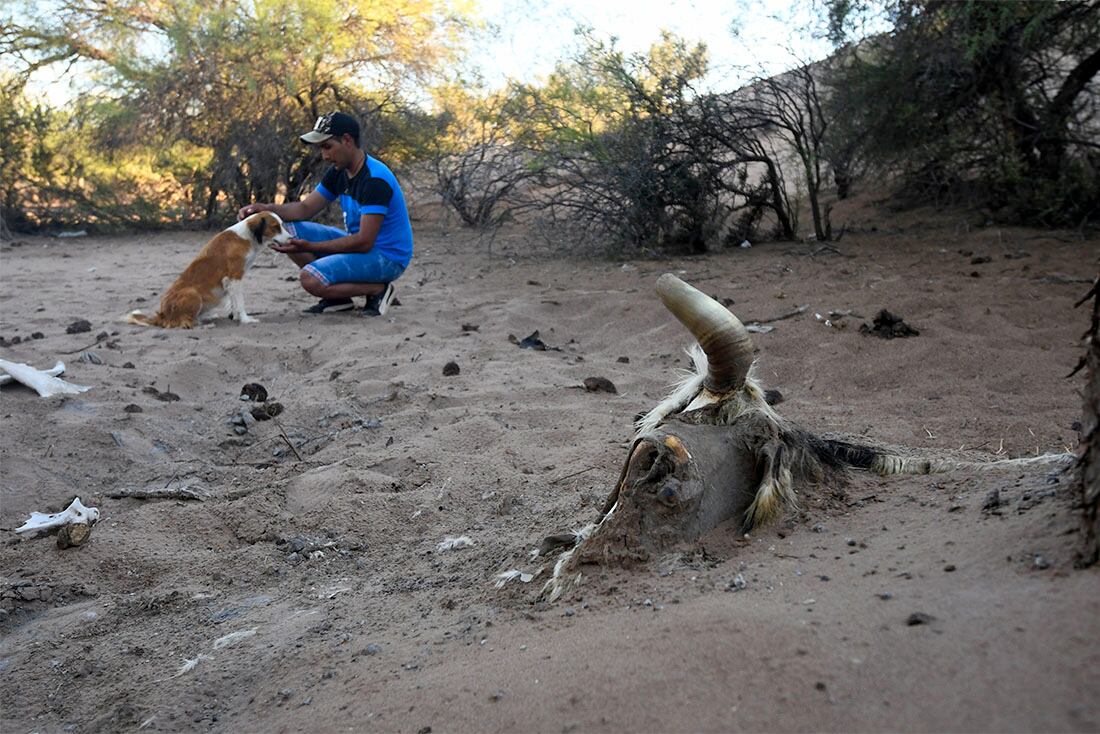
451 369
532 341
79 327
266 411
599 384
889 326
255 392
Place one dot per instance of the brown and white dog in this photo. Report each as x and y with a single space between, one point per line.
216 273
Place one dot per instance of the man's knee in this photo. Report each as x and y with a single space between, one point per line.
312 284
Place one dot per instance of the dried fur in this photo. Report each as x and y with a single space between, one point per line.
684 390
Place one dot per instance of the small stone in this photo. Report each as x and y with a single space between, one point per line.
992 500
850 541
496 695
70 536
818 528
885 596
623 360
819 686
372 649
424 730
917 618
451 369
286 693
949 567
128 366
599 384
1039 562
737 584
133 408
569 611
38 335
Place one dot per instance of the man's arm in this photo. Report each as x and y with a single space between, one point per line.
361 241
292 211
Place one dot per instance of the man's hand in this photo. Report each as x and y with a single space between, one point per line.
291 247
250 209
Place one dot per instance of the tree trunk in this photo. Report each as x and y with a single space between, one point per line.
1089 464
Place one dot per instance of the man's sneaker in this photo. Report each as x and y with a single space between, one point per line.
331 305
378 305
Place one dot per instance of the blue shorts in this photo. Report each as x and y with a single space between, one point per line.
348 267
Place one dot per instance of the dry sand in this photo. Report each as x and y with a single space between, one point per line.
368 628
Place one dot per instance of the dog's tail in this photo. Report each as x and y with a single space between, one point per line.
141 319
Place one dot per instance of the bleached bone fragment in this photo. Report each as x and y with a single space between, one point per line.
505 576
75 513
57 369
450 543
41 381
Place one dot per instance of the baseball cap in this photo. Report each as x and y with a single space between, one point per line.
334 124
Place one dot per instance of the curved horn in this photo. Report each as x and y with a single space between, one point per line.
722 336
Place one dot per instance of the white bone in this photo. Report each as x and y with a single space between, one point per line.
57 369
75 513
42 382
505 576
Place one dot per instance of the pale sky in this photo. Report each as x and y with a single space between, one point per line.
534 34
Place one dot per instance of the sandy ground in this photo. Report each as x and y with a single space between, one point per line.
310 595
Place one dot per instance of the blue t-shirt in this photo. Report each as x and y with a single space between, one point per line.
374 190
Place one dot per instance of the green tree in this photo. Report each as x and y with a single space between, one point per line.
239 78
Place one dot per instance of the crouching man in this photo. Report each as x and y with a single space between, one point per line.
336 264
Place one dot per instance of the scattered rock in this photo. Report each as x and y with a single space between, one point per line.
992 500
70 536
737 583
981 260
599 384
90 358
949 567
128 366
372 649
889 326
79 327
470 327
451 369
818 528
132 408
885 596
38 335
1039 562
917 618
623 360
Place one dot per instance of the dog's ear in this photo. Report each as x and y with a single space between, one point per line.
258 228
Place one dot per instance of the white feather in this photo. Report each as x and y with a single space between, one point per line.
450 543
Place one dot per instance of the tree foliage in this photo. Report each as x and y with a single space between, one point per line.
997 95
239 79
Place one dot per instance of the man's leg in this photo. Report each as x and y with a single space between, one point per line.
347 275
